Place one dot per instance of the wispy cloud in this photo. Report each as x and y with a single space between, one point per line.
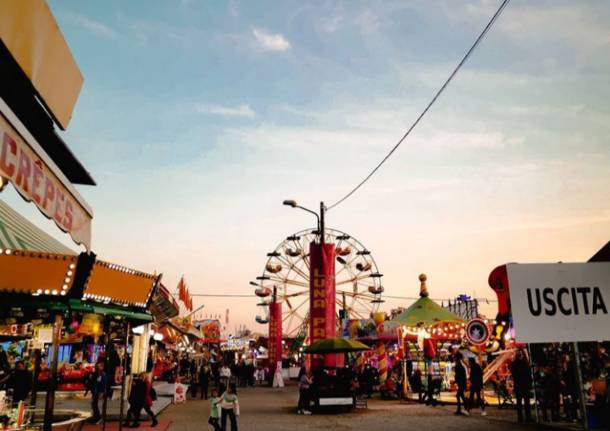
92 26
546 224
268 41
368 22
242 110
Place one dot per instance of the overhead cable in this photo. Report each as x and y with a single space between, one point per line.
436 96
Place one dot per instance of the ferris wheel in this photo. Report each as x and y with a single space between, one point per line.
357 279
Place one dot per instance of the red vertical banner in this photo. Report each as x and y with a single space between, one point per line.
323 319
274 351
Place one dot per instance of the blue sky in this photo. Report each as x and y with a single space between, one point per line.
198 118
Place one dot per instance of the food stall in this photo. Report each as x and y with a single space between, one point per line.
38 91
68 310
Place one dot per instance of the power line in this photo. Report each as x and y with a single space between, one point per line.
413 298
214 295
436 96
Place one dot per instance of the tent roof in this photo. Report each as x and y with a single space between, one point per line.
18 233
426 312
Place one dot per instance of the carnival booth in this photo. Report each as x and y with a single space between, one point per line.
64 312
333 386
558 356
416 342
427 333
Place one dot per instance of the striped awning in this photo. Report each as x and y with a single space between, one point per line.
17 233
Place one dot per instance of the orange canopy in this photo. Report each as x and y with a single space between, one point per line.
36 273
109 282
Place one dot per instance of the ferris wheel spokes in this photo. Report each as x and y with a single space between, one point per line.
353 279
288 269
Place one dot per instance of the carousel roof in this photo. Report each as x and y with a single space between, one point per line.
425 311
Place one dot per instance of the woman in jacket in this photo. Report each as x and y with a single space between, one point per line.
229 408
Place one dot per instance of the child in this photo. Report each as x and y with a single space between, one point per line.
214 410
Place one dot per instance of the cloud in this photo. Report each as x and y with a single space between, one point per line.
92 26
332 24
270 42
242 110
576 23
546 224
368 22
482 140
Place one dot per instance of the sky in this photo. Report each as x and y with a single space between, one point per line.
198 118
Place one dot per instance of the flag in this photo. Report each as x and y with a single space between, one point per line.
181 290
189 301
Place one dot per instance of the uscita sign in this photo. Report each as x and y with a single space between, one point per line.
563 302
567 301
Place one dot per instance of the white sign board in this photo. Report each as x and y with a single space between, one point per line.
560 302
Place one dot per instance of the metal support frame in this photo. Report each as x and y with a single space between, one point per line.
582 403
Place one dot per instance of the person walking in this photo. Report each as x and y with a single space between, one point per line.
204 379
367 376
460 381
225 375
98 388
229 408
476 386
305 382
522 382
141 397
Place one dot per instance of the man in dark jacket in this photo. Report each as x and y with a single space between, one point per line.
204 379
20 381
522 381
99 386
460 382
476 385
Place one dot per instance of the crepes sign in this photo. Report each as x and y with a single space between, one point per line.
37 183
562 302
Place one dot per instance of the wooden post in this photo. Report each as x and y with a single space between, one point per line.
124 375
50 400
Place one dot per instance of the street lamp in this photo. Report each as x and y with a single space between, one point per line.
293 204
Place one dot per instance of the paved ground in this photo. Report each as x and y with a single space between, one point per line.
269 409
76 401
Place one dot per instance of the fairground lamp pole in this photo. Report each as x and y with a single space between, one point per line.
320 217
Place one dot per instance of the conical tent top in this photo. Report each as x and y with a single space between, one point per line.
423 289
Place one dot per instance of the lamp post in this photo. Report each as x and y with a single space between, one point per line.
319 217
322 288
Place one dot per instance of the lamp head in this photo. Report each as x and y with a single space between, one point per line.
290 203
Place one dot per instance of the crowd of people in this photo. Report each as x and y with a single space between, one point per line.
550 380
